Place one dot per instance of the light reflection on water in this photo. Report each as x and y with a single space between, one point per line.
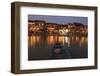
40 47
34 41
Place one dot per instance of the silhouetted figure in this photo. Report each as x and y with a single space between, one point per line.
59 52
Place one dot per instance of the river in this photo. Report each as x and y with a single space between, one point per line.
40 46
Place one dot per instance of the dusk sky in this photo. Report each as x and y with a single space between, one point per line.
59 19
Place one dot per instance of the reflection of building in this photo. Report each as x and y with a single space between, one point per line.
41 27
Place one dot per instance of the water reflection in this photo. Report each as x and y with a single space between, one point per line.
34 41
40 46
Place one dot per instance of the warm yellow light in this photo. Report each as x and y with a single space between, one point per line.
66 39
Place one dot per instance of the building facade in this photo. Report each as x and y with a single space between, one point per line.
38 27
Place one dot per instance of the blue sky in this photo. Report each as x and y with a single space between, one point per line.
59 19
